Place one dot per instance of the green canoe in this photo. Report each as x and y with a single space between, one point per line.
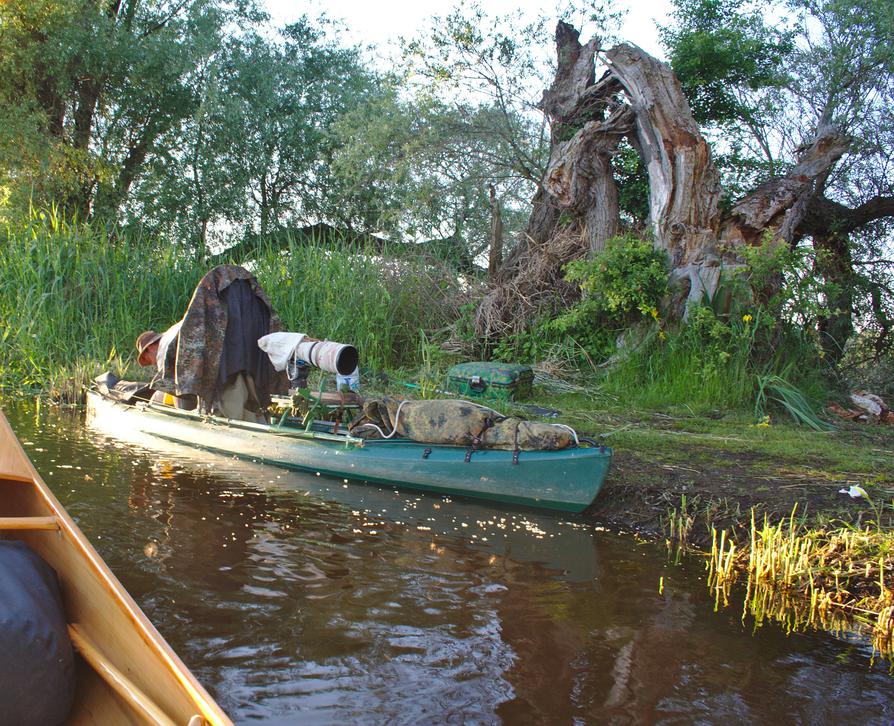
566 480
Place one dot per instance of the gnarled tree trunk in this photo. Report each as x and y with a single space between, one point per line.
576 209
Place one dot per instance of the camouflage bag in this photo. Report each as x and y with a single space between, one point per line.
456 423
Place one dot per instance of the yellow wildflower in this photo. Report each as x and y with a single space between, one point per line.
747 318
764 423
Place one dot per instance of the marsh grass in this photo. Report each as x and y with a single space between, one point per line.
73 298
679 524
837 578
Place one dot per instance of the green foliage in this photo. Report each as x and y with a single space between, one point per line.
628 276
712 363
98 88
534 344
622 285
633 185
746 348
718 47
420 169
256 153
782 281
749 346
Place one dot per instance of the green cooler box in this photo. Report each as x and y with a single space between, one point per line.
505 381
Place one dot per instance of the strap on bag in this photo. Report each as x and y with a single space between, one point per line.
477 438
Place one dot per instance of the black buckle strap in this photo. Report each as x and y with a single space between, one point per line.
477 438
516 450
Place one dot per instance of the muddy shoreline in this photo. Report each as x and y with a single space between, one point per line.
721 488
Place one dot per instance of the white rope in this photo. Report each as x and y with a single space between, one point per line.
367 426
573 432
382 433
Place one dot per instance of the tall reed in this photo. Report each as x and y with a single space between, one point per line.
73 297
376 301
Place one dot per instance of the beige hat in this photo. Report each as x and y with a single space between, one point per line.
144 341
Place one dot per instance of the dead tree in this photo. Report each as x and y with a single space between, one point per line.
495 258
575 209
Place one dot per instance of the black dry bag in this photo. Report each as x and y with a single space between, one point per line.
37 679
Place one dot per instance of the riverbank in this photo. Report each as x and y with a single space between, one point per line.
802 520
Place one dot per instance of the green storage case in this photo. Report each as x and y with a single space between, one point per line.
504 381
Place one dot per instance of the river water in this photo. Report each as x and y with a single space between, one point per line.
304 600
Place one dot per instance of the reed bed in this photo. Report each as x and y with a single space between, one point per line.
378 302
73 298
833 578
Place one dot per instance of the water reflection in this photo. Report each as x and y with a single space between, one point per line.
298 599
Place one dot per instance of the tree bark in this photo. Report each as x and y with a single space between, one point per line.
495 259
579 176
684 185
638 98
586 126
835 265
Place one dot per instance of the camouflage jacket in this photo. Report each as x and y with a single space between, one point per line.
194 369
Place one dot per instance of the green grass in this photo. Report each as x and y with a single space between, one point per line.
682 434
708 365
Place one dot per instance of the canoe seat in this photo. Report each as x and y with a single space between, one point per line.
25 523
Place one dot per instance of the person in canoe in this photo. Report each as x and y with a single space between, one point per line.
210 359
152 347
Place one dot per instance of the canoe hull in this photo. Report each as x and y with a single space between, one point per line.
126 672
565 480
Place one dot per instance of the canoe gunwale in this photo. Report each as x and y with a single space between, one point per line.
246 425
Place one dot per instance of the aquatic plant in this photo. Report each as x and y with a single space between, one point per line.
680 524
835 578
